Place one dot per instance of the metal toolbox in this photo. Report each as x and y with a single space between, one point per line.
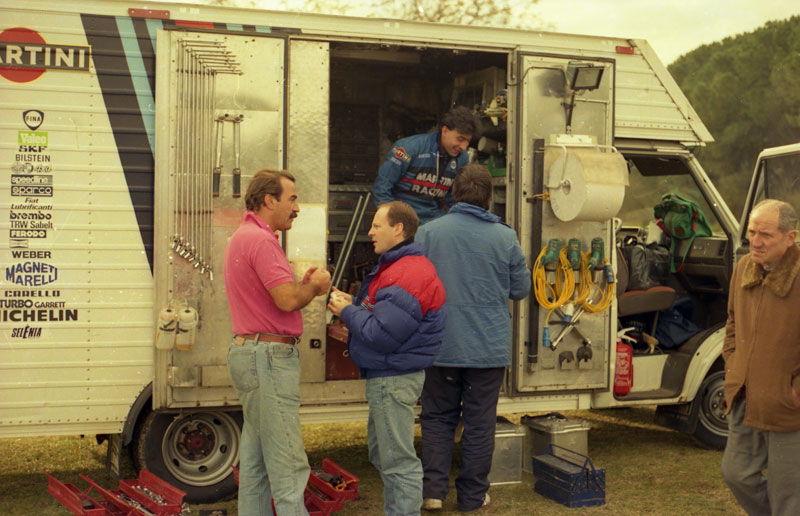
507 457
570 479
553 428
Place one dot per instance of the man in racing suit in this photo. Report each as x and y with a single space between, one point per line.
420 169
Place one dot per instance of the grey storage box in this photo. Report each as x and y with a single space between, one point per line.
554 428
507 458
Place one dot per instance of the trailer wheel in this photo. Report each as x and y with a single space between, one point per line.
712 424
193 452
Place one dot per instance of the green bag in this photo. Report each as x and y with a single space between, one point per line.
681 219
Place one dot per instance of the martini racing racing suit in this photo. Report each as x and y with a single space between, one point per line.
415 171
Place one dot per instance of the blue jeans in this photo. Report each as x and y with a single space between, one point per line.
272 461
390 434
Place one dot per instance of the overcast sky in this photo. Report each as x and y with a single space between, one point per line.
672 27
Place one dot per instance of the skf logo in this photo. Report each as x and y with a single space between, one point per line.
33 118
25 55
400 153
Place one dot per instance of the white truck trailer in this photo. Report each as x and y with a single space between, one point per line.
128 132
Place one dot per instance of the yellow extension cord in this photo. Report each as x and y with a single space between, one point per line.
564 286
560 293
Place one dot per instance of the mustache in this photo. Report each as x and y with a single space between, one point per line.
293 215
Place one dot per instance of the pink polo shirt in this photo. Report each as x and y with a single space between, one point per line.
255 263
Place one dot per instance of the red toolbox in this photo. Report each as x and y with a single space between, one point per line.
347 486
146 496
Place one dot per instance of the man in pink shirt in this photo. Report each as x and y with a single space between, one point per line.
263 360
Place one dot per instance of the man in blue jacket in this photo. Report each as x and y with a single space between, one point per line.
482 266
420 169
395 328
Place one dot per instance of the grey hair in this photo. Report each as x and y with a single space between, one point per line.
787 216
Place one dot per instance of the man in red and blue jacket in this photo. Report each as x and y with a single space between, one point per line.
395 324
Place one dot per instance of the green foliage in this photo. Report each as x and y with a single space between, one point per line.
745 89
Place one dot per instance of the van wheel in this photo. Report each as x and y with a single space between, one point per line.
193 452
712 423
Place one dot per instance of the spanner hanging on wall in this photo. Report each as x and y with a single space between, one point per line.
219 139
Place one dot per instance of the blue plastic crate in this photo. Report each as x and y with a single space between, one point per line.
570 479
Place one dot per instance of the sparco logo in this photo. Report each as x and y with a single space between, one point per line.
33 118
25 55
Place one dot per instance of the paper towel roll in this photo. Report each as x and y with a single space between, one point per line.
587 184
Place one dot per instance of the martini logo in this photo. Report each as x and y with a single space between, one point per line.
25 56
33 118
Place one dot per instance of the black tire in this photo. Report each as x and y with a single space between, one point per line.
193 452
711 429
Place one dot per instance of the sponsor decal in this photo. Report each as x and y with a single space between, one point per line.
39 315
26 332
33 118
18 179
29 303
25 55
400 153
18 243
32 141
31 204
27 233
31 274
31 190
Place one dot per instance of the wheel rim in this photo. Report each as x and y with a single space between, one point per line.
199 449
712 411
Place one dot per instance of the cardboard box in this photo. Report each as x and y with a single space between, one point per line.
507 458
554 428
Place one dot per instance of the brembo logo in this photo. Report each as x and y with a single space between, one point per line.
25 55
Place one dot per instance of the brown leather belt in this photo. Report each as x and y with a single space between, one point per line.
265 337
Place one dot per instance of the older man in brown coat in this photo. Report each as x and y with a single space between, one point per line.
762 367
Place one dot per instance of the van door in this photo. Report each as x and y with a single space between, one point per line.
549 104
220 117
775 177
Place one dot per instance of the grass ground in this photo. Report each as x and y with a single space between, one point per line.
649 471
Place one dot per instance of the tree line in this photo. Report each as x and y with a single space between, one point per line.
746 89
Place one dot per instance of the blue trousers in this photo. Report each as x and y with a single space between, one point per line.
272 461
451 393
390 435
748 453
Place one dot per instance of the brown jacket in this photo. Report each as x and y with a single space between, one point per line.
762 342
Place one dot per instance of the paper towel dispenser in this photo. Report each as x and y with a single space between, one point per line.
586 181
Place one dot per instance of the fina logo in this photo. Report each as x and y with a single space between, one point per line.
33 118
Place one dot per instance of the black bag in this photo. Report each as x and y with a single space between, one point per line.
648 266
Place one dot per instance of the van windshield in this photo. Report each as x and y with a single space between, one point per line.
650 178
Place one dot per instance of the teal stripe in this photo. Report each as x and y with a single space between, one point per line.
153 26
266 30
235 26
141 85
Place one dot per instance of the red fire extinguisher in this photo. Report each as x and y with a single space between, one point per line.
623 371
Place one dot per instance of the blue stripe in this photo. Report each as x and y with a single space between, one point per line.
235 26
153 26
265 30
141 86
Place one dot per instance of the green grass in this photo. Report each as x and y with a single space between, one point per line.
649 471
